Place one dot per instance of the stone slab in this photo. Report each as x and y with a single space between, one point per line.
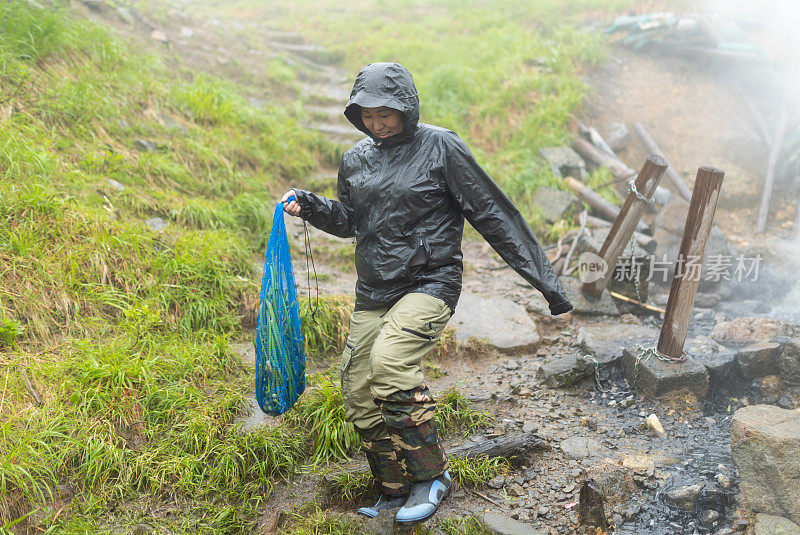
719 361
679 381
503 525
606 342
500 322
765 441
759 359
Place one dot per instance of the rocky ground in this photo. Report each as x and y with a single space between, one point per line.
583 382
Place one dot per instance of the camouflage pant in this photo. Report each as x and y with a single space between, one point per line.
383 390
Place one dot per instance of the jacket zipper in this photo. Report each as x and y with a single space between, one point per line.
417 333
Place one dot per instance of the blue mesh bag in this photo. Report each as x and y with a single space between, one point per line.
280 351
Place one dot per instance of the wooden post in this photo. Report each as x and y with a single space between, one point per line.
620 234
684 284
770 178
672 174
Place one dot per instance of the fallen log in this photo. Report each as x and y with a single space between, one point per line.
780 132
508 445
602 206
597 140
673 176
598 157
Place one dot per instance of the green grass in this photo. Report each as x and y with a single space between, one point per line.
454 413
479 471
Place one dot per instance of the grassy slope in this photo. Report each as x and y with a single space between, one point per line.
503 74
125 333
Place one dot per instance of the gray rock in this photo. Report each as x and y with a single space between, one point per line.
720 362
617 136
500 322
116 185
680 382
156 224
709 516
789 362
685 497
745 331
564 161
585 305
145 145
554 203
765 441
582 447
503 525
496 482
186 32
564 371
759 359
775 525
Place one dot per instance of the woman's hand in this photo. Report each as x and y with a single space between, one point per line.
291 208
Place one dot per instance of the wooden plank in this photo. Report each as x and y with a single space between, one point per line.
629 216
699 221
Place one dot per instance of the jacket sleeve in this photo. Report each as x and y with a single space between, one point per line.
333 217
492 214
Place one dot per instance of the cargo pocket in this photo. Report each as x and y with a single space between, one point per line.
344 369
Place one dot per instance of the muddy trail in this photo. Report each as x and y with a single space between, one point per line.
574 382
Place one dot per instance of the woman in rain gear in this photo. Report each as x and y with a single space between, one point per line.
404 192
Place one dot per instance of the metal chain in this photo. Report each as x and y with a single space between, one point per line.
644 354
632 189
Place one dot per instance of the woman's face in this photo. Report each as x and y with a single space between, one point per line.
382 122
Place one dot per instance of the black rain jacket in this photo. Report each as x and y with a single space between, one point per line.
404 199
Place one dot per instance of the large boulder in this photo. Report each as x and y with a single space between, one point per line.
765 441
500 322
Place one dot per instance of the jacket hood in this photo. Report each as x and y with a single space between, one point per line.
385 84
